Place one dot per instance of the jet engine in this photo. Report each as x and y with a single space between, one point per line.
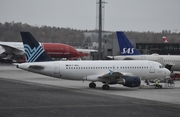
131 81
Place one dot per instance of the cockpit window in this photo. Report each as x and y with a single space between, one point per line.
161 66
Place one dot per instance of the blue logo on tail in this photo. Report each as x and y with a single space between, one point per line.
126 47
128 51
34 51
33 54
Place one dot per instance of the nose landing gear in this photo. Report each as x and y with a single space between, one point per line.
104 87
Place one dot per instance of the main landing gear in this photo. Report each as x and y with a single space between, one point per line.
104 87
92 85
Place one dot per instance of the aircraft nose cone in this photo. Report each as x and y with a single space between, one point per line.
74 52
167 72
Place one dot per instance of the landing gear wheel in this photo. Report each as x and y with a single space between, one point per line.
92 85
105 87
159 87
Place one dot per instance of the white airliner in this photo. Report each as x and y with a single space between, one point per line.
129 52
127 73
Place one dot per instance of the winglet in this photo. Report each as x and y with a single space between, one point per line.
110 72
33 49
126 47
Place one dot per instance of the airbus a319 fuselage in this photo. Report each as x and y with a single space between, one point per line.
166 60
127 73
93 70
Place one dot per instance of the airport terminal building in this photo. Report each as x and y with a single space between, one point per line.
110 46
159 48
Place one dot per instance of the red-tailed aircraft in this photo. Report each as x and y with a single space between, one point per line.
14 51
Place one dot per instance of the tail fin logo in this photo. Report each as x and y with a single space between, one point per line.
125 46
164 39
33 54
128 51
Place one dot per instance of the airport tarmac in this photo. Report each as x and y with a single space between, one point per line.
29 94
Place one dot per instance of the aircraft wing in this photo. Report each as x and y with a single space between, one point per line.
86 50
10 49
2 50
121 58
114 75
109 77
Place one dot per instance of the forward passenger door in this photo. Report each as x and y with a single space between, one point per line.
151 65
56 68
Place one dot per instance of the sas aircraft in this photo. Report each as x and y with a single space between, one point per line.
127 73
129 52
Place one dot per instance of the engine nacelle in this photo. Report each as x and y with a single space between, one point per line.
131 81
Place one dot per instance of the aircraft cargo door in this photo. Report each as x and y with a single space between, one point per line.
143 58
56 68
152 70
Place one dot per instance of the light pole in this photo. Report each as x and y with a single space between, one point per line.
100 29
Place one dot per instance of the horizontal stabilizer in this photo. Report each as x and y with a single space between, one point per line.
36 67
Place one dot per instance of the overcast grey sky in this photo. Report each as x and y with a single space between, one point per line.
125 15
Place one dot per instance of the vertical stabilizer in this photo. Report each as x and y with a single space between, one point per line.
126 47
33 50
165 40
